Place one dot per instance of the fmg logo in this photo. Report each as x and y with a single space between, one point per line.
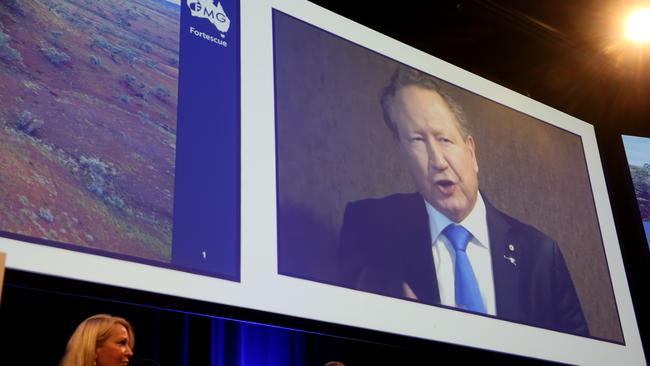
214 13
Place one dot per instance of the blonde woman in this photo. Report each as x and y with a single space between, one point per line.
101 340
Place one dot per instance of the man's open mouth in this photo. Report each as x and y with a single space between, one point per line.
445 186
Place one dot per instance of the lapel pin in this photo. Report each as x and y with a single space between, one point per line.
511 247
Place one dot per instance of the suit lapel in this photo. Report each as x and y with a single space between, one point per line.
504 252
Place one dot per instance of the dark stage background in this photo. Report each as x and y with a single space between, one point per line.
39 313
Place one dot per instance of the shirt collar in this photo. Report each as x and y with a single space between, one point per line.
475 222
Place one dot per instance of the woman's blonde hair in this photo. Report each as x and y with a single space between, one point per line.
89 335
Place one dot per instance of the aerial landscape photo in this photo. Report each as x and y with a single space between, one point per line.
637 150
88 123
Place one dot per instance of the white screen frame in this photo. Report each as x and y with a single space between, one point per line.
262 288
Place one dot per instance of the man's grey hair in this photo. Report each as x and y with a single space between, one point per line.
406 76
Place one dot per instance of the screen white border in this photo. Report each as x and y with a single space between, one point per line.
261 287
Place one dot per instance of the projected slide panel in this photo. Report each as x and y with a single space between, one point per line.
335 153
97 126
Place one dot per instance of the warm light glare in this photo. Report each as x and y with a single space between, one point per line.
637 27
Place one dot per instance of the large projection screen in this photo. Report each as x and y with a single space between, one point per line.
274 127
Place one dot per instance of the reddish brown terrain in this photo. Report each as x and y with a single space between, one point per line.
88 94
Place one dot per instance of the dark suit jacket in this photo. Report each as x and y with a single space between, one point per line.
386 243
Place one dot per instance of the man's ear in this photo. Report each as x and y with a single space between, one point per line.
398 142
472 150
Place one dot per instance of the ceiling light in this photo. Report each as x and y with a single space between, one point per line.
637 26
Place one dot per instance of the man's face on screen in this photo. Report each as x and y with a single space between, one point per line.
442 162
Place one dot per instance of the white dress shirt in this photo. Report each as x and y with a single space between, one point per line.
478 252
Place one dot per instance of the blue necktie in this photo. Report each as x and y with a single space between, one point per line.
468 295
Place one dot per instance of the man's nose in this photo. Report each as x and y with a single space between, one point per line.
437 159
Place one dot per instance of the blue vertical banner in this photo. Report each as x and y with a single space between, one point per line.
207 190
